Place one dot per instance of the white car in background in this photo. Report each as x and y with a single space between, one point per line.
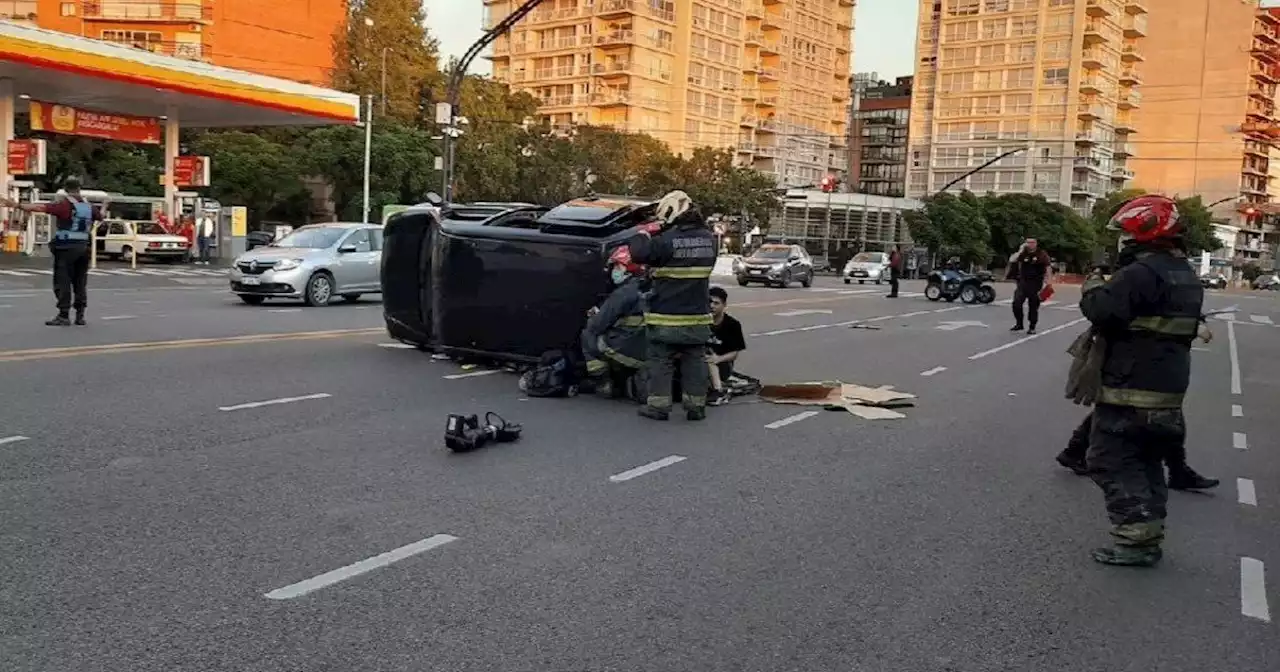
866 266
121 239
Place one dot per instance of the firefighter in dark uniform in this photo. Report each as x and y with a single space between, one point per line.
1149 313
614 339
680 255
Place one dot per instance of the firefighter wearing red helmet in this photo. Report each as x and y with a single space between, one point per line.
614 340
1149 314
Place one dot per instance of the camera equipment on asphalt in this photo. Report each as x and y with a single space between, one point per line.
464 433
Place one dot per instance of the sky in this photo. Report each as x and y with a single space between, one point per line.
884 33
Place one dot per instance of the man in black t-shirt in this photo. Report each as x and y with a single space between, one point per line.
727 342
1032 269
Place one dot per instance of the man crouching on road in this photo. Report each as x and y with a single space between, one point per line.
74 218
614 339
727 342
681 254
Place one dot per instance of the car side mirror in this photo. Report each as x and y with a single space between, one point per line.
346 249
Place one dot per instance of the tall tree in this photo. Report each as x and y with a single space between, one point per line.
253 171
399 156
392 32
952 225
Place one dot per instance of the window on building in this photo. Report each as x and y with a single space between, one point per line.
996 5
995 29
68 9
986 130
1056 76
963 31
1023 26
1018 103
958 57
1062 3
950 157
962 7
991 54
1058 23
988 80
986 105
1021 78
1024 52
982 182
1019 129
1057 49
957 81
1010 181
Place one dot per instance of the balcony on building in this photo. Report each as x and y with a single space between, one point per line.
769 47
767 74
1263 110
771 20
1090 111
767 101
1264 72
1124 150
1122 173
1136 7
1131 76
612 69
1131 54
1267 53
149 11
1129 100
1266 33
614 9
1087 136
1136 26
1255 148
664 11
754 9
769 126
1087 162
749 92
1093 59
746 147
1267 130
1095 32
561 15
1124 123
611 98
748 121
613 39
1099 8
1092 83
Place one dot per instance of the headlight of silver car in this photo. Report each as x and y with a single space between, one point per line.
287 264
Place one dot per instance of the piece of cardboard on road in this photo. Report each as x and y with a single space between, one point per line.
870 403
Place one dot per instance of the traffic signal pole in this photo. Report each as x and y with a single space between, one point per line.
451 117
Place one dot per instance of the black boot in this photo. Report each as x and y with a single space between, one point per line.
1075 464
1128 556
1186 478
654 413
59 321
79 318
1016 327
695 414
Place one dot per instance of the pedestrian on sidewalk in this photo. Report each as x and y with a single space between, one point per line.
74 219
895 270
205 232
1032 269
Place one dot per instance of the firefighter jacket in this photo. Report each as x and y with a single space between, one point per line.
680 259
1149 314
617 331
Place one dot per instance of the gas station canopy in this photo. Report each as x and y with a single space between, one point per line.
89 74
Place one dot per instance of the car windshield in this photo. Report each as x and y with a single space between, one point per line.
869 258
772 253
151 229
317 238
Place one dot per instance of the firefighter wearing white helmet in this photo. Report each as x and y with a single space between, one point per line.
681 253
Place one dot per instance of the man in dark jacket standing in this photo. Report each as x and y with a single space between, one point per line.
681 256
74 219
895 270
1149 313
1032 269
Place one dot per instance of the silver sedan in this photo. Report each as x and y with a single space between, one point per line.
314 263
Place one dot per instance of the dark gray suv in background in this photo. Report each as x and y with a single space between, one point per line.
777 265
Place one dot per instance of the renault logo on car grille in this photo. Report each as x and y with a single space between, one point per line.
253 265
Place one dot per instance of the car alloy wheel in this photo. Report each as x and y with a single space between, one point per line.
319 290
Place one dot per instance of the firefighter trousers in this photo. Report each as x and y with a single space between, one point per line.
694 377
1126 455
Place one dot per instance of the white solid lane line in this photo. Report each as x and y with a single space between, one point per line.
473 374
1246 493
1239 440
1237 411
118 317
1253 590
12 439
646 468
274 402
285 310
396 346
934 371
1020 341
1261 319
1234 350
363 567
791 419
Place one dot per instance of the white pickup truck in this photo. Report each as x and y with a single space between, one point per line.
120 239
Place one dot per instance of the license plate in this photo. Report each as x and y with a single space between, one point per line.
170 245
251 281
859 274
756 272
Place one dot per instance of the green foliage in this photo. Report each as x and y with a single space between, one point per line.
1250 272
251 170
411 55
400 160
1061 231
952 225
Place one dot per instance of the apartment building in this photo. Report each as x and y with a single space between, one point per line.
1056 80
768 78
291 39
1210 125
878 142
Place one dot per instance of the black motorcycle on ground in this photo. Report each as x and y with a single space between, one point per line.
952 284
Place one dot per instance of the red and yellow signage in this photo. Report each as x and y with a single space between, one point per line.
71 121
27 157
191 171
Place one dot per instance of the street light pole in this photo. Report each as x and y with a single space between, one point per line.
384 80
368 152
451 132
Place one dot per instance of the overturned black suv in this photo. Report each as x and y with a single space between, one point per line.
501 281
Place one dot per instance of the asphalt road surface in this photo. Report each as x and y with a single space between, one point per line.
192 484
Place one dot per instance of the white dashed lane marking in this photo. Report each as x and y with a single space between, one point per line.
363 567
12 439
1239 440
1237 411
274 402
791 419
646 468
1246 493
934 371
473 374
1261 319
1253 590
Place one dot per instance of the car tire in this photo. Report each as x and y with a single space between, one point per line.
807 282
319 289
351 298
933 293
987 294
742 283
252 299
786 280
847 281
862 282
969 294
126 254
877 281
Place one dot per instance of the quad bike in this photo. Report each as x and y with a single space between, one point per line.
952 284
